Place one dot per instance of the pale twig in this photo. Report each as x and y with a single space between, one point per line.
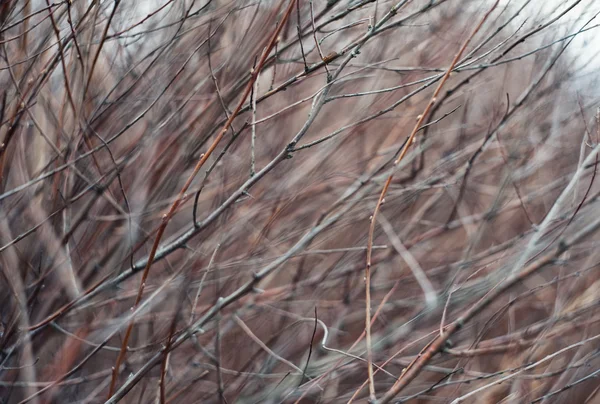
413 264
265 348
208 268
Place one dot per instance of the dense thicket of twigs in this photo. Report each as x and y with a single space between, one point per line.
187 189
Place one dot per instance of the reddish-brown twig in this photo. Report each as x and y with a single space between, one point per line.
381 199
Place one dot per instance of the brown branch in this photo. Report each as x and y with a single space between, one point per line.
381 199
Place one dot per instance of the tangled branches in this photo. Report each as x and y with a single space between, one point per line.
190 192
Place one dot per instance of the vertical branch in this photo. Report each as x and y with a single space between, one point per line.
253 139
165 361
314 32
299 30
381 199
100 46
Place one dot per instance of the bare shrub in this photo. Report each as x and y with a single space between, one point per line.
190 191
